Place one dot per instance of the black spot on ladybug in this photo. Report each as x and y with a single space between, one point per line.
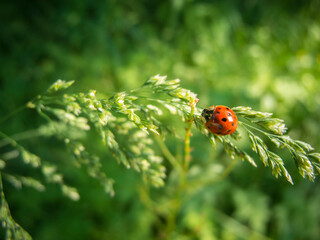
229 130
229 114
220 126
228 108
232 124
218 132
224 119
218 112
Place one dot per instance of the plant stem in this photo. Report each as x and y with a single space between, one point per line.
173 161
177 201
239 229
21 136
11 141
187 155
1 191
12 113
223 175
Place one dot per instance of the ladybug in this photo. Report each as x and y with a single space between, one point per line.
220 120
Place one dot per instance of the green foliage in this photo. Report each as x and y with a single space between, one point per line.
254 53
300 151
274 128
122 116
13 229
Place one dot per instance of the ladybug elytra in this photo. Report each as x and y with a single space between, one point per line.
220 120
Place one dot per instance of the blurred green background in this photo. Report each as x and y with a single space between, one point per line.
263 54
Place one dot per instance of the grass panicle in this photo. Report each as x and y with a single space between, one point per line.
128 124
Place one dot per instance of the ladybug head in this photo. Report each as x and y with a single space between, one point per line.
207 113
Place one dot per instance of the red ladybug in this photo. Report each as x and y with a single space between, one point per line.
220 120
